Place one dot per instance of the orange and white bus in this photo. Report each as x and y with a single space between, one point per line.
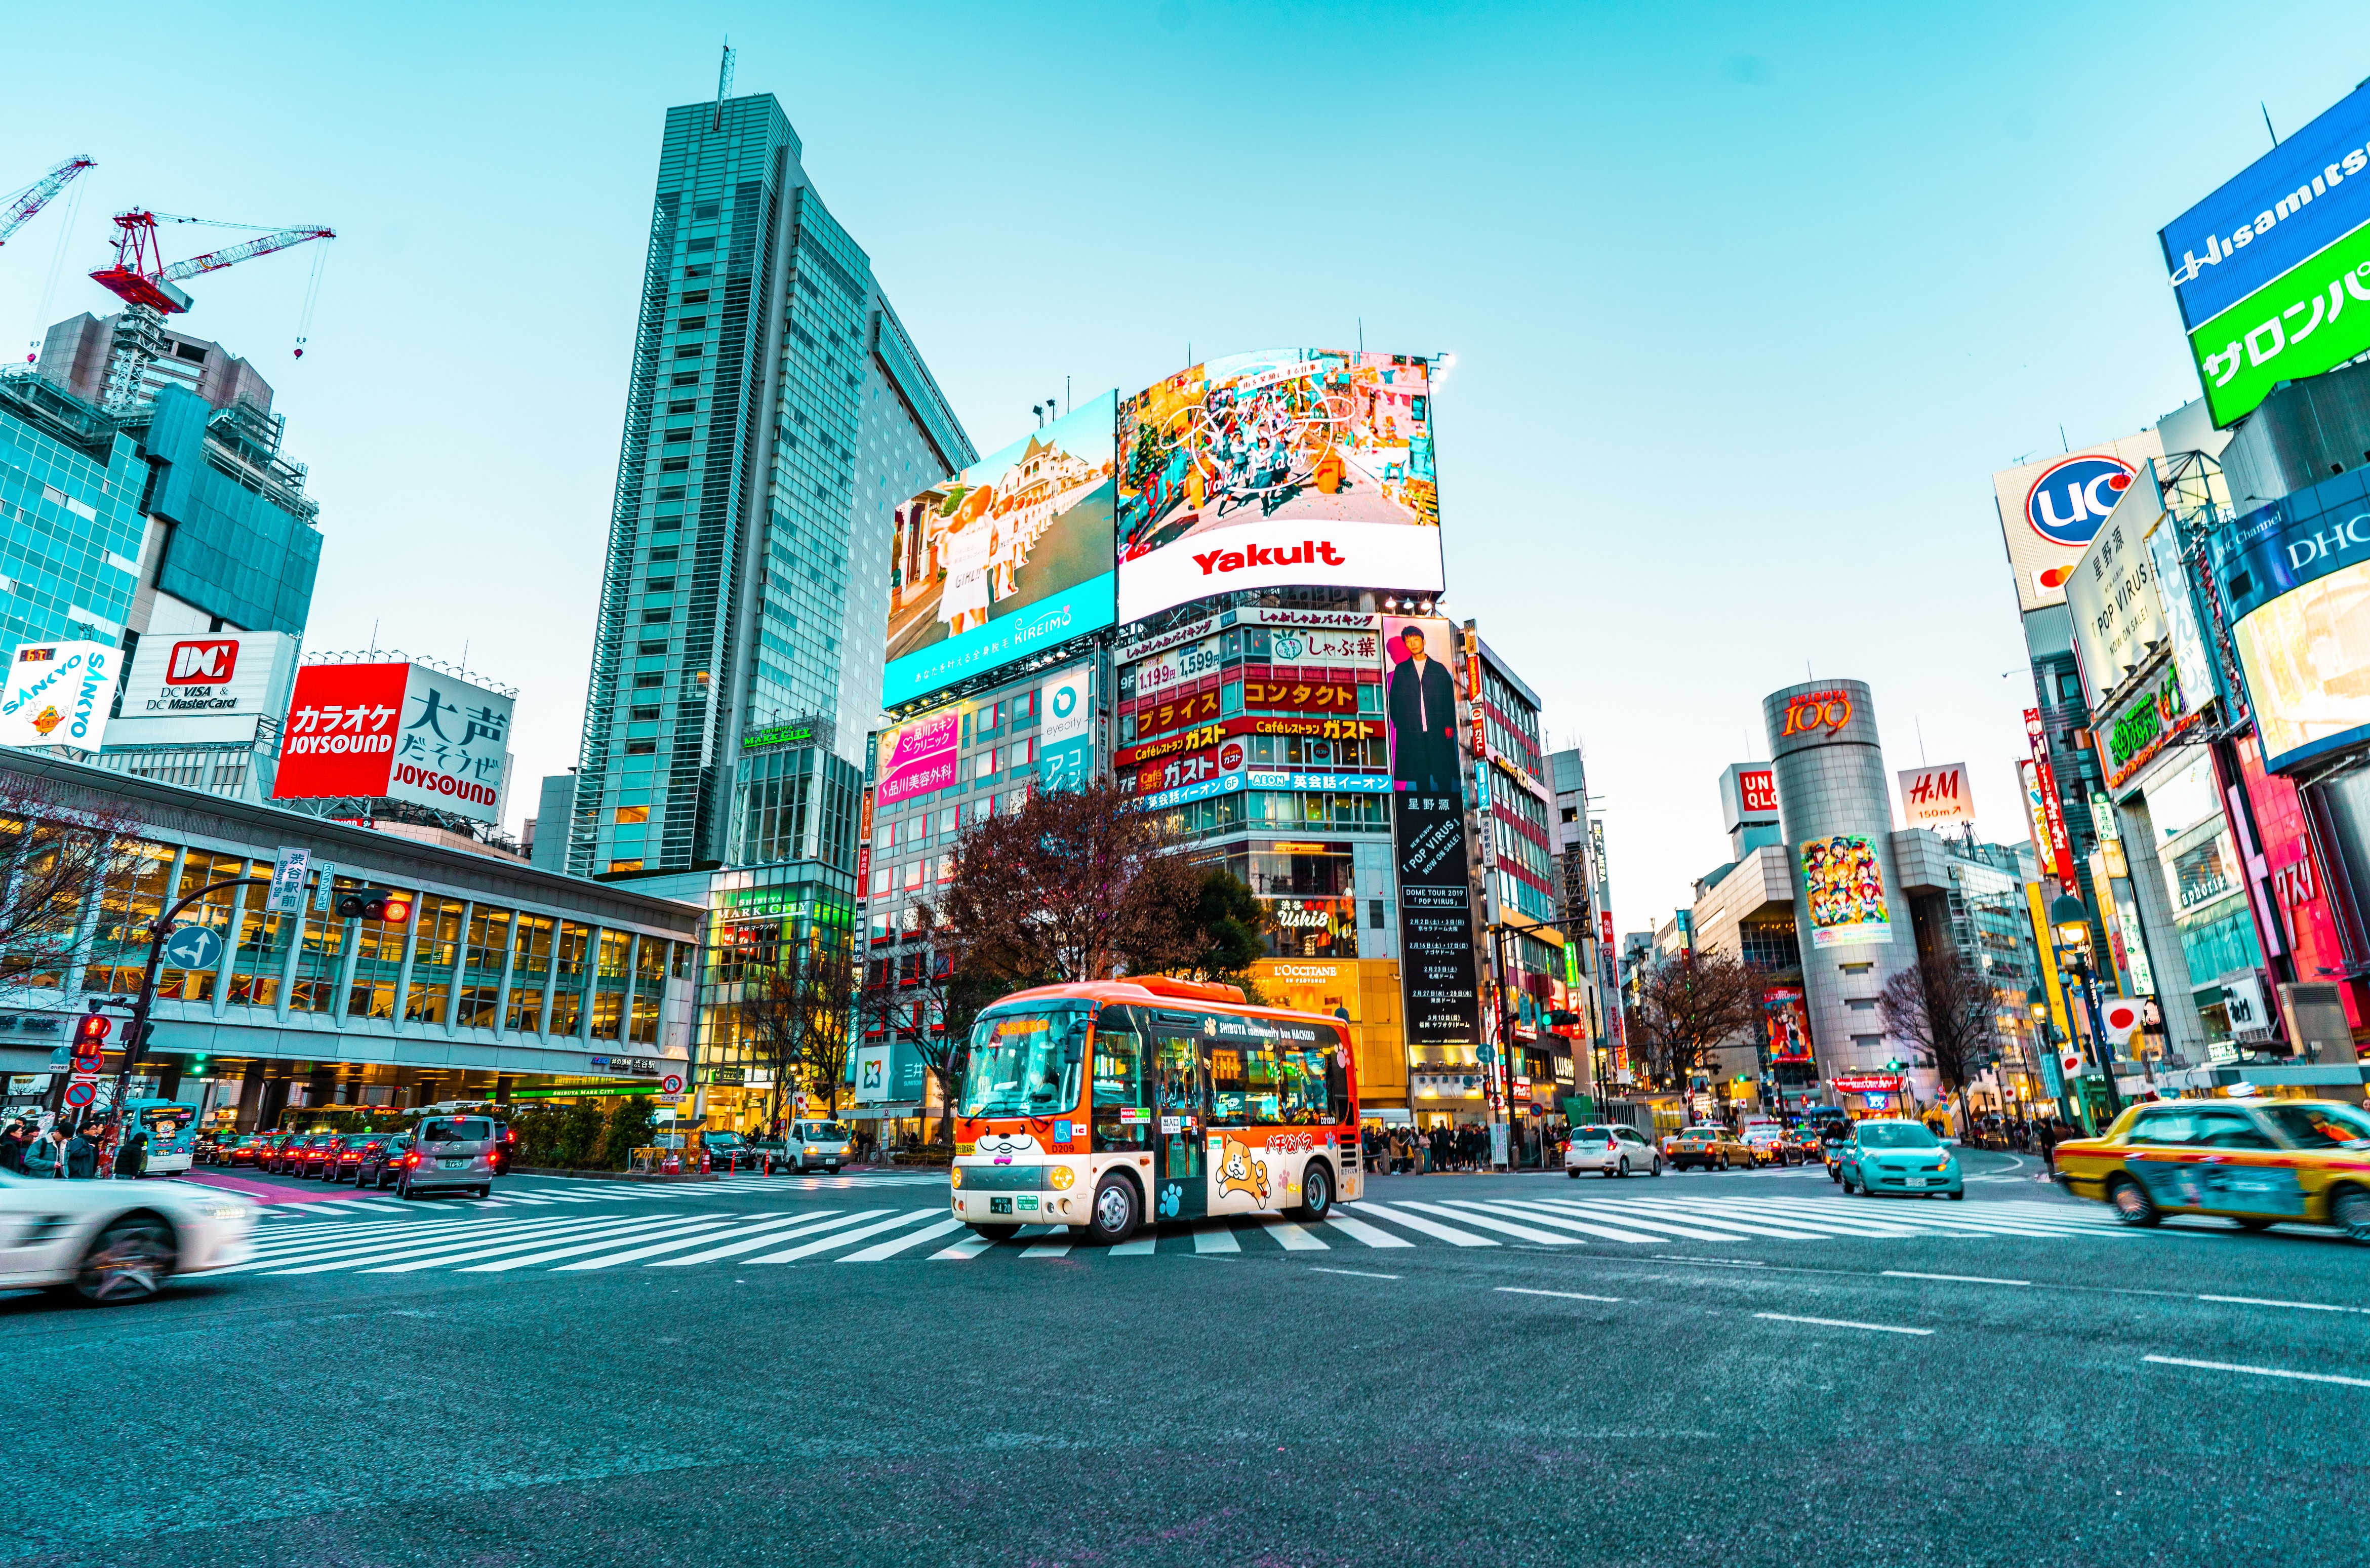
1100 1106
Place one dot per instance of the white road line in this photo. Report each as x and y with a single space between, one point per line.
1216 1238
773 1228
1294 1238
1955 1279
1473 1213
1843 1323
1141 1247
1678 1217
1566 1295
1354 1274
963 1249
1047 1250
710 1255
1359 1230
378 1249
899 1243
2258 1371
680 1229
1429 1228
1537 1212
1724 1262
893 1222
2299 1306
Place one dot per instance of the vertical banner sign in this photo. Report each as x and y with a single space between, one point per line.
864 845
2036 815
1437 967
2041 939
2052 809
1473 693
1066 736
287 894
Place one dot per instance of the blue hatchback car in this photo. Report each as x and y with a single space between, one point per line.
1898 1157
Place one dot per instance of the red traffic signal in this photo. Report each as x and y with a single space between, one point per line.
90 1033
376 903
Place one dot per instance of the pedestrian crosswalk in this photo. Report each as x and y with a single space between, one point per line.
588 1193
626 1235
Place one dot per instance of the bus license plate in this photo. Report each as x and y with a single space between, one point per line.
999 1205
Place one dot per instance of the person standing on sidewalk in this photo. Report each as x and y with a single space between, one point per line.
81 1156
46 1157
132 1160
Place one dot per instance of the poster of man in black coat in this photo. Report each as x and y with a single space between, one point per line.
1420 699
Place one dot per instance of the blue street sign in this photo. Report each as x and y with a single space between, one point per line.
193 947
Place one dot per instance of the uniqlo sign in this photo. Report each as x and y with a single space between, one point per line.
398 732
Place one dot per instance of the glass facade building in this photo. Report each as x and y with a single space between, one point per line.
776 413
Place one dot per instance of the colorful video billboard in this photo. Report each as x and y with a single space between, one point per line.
1281 468
1844 887
1011 556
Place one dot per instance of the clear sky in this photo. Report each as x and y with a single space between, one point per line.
1746 302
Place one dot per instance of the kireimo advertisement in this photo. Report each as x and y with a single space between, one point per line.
1011 556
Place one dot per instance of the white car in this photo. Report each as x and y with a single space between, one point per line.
116 1242
1613 1150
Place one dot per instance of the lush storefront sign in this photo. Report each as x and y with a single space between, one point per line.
2137 733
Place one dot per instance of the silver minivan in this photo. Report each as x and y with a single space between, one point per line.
450 1153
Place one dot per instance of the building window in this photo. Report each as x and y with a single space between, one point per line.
633 813
698 296
690 350
659 647
691 324
657 617
674 465
530 971
639 748
642 716
686 378
649 682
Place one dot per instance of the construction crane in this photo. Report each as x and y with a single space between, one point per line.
149 287
24 203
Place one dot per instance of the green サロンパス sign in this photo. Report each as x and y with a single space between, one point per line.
2312 318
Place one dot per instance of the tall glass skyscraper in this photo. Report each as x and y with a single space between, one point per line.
775 415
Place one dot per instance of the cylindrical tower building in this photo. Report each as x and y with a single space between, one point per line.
1850 919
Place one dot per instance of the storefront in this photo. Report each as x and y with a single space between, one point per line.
1363 992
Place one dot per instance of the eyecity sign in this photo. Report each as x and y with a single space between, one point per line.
2272 271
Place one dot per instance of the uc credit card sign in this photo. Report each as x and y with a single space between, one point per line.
2051 509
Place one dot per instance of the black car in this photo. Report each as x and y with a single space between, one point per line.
308 1154
382 1159
276 1150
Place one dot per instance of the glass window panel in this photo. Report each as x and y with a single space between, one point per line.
490 939
130 899
217 910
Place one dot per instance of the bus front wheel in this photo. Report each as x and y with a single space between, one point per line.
1116 1211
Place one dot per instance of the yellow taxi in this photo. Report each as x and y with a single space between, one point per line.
2255 1161
1708 1145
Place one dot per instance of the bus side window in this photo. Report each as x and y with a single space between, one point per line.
1122 1117
1230 1086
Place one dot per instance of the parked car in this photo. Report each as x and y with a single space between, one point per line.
728 1152
1610 1150
116 1242
382 1159
826 1144
450 1154
1903 1158
1712 1147
2256 1163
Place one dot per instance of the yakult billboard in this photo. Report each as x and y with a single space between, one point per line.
397 732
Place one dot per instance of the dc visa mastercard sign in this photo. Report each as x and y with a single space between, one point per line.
2050 510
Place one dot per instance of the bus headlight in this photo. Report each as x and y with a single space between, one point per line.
954 1177
1061 1177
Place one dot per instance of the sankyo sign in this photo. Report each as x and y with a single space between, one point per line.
2312 318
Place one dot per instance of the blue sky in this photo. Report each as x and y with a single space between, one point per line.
1746 303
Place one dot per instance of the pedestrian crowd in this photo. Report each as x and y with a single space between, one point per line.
1416 1151
68 1152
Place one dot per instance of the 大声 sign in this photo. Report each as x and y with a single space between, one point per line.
396 731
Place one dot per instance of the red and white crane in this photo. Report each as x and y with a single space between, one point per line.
148 285
23 205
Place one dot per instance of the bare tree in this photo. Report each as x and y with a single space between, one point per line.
916 994
54 855
1075 886
1945 1010
796 1007
1688 1006
768 1017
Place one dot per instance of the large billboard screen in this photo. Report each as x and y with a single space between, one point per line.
2297 577
1010 557
1286 466
1420 693
2273 271
2050 510
396 731
58 694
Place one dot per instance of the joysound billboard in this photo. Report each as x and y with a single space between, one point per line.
1011 556
2273 271
1274 469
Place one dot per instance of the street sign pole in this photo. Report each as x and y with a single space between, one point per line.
135 1034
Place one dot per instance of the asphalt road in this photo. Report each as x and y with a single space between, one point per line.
1730 1369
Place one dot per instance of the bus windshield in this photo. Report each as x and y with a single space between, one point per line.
1027 1062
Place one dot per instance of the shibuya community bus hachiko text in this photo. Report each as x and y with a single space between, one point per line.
1284 467
1099 1106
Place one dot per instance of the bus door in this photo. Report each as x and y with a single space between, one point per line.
1180 1183
1121 1110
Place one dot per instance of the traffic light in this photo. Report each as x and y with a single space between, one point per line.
90 1038
375 904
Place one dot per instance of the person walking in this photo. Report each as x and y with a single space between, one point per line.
132 1160
46 1156
81 1156
12 1148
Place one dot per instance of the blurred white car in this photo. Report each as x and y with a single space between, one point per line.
116 1242
1614 1150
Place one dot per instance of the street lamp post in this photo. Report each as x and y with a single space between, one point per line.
2070 921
